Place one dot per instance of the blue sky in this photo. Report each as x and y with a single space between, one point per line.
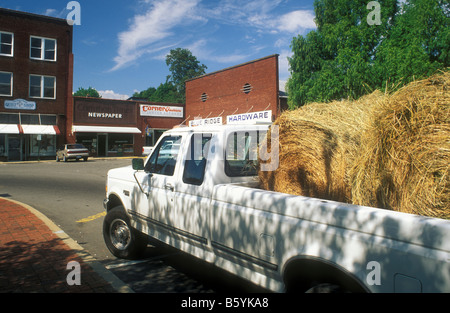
120 46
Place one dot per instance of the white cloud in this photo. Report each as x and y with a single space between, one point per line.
282 85
157 29
283 64
110 94
200 50
296 21
152 26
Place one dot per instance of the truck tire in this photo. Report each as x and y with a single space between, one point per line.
122 240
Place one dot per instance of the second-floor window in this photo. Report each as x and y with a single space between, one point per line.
43 49
6 44
42 87
6 84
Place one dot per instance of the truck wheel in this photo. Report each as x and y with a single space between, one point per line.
326 288
121 239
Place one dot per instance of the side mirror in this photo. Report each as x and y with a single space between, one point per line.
138 164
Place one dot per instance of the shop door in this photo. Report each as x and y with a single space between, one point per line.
14 148
101 145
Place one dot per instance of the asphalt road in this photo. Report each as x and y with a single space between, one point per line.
71 195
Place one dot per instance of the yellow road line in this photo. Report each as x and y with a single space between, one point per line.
91 218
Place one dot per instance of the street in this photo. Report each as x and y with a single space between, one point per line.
71 194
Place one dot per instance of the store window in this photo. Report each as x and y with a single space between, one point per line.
2 145
6 81
42 49
42 145
48 119
9 118
42 87
29 119
6 44
120 144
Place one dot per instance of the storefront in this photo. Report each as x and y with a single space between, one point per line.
27 136
156 118
106 127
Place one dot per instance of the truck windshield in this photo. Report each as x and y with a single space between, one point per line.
164 157
241 153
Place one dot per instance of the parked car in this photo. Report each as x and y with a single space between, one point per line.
72 151
146 150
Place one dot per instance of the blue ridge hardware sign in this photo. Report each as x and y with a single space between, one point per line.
250 118
206 121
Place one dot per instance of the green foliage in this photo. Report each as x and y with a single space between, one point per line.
166 93
347 57
90 92
183 66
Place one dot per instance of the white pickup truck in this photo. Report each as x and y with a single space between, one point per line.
198 192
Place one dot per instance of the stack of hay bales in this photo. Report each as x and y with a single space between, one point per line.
390 152
317 145
405 157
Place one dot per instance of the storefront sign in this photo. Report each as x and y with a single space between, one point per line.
250 118
206 121
104 115
161 111
20 104
104 112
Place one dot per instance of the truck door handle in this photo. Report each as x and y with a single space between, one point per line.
169 186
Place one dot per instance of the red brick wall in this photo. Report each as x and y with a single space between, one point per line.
24 25
224 90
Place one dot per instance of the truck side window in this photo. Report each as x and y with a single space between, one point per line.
164 158
241 154
194 167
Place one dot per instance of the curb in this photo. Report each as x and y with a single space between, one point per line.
99 268
91 158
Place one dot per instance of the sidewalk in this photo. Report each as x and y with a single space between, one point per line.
34 254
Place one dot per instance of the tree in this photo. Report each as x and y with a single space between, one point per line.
164 93
418 45
350 54
145 94
90 92
183 66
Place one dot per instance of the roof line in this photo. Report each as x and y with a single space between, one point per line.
234 66
33 15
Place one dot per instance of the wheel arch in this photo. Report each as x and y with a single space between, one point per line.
301 273
113 201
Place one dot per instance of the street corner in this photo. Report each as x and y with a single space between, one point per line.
37 256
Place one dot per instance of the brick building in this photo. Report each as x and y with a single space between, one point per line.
36 76
120 127
246 88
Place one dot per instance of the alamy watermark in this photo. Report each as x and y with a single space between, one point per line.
374 16
74 276
74 16
374 276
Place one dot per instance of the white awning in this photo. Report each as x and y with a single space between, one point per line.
9 129
105 129
40 130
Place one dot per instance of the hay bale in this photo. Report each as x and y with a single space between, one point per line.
317 145
405 157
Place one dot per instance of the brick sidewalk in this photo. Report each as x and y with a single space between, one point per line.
34 259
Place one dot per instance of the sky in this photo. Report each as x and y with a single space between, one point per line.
120 46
